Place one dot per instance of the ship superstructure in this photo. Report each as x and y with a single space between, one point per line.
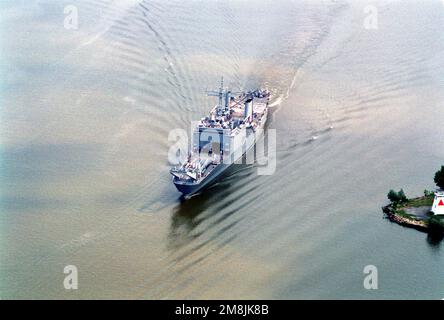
222 137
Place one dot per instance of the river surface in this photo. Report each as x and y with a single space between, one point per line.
84 121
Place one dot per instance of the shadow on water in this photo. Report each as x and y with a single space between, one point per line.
434 239
192 212
435 231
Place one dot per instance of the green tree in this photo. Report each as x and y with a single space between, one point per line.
436 225
393 196
397 197
402 197
439 178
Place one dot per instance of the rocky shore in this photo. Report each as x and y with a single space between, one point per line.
411 222
415 213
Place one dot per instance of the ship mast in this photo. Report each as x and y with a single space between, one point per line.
220 94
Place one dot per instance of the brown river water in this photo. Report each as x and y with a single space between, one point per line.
84 121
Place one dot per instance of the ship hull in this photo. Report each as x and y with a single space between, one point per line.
189 189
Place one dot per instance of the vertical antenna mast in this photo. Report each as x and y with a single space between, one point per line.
221 93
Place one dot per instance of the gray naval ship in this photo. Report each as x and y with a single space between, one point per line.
222 138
